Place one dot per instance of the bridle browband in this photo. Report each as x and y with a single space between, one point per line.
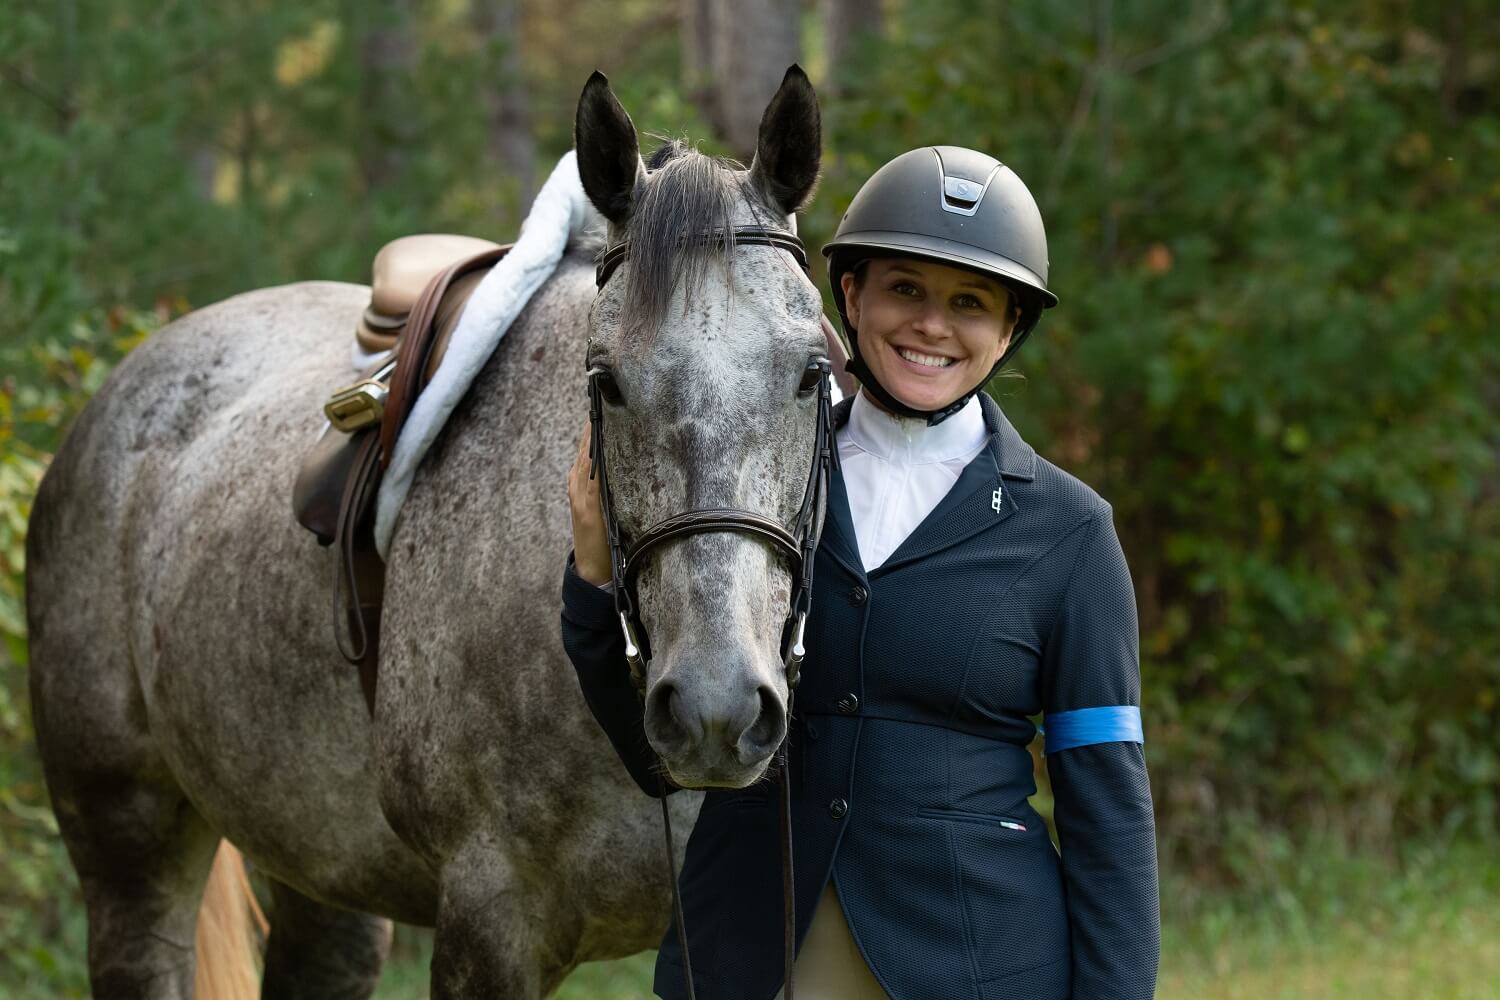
740 236
799 544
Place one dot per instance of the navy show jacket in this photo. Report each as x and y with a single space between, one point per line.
909 762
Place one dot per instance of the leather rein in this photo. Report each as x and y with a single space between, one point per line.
799 543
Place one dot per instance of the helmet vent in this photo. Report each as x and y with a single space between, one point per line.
962 196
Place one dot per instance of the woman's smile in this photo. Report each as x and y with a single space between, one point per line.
933 361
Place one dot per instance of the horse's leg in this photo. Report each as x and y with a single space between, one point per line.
321 952
143 855
491 938
141 851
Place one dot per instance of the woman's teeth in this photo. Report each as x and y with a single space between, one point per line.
930 360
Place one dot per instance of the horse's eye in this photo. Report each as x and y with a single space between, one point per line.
812 375
608 387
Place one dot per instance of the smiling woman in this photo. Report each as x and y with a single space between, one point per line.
963 585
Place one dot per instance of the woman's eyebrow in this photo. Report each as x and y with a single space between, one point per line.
978 284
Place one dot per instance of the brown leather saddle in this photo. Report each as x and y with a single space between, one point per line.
419 288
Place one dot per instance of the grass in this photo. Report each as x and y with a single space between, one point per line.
1345 927
1331 927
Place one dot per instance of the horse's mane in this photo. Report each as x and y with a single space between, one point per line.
689 193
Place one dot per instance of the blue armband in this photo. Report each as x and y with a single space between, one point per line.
1085 726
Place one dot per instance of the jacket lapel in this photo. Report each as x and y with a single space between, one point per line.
978 502
838 537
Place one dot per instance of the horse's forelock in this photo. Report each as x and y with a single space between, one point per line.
687 194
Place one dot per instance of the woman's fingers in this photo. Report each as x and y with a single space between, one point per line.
590 541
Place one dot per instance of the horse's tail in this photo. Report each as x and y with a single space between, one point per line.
226 943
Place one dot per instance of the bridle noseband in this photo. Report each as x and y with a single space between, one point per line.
799 543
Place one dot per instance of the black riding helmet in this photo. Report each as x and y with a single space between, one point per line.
955 206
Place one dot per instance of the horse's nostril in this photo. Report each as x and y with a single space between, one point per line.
669 718
762 736
682 714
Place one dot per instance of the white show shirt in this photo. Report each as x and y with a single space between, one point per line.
897 469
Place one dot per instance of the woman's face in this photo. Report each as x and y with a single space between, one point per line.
928 332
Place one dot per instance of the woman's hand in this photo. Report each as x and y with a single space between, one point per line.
590 541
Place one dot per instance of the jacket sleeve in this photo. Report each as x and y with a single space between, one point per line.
1091 686
591 636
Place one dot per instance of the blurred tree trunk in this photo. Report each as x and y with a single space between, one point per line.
1104 30
205 161
845 22
696 20
507 106
753 43
387 57
67 104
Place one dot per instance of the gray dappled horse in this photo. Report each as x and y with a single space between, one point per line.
185 684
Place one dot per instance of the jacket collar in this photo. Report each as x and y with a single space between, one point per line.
1013 457
910 441
969 508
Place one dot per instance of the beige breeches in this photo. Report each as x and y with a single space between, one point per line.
829 966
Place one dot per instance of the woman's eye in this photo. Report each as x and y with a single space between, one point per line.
968 302
904 288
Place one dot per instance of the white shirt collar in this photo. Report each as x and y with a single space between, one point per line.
909 440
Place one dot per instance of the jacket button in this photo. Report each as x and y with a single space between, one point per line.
858 596
838 808
848 704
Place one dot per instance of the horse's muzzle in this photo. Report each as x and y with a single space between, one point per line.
715 735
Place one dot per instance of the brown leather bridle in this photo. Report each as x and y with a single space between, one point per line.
799 544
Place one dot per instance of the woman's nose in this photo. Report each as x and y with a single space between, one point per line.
932 321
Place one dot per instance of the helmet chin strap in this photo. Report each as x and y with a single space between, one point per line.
856 366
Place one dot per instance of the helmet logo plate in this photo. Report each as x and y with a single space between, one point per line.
962 196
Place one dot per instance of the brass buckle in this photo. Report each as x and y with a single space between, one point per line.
357 406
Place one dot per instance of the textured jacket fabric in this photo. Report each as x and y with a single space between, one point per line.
909 762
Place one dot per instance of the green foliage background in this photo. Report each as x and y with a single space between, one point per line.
1276 356
1273 232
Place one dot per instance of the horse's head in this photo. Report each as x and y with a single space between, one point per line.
708 402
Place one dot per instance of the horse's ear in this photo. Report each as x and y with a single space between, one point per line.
791 143
609 159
